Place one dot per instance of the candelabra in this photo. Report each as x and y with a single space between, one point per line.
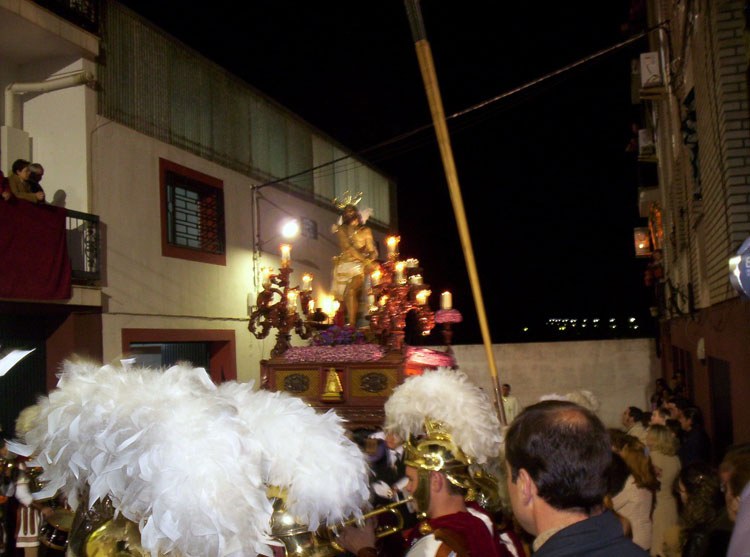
447 317
396 289
276 308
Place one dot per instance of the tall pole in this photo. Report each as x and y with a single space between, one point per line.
427 67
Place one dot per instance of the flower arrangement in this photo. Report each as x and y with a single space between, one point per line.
448 316
429 357
337 344
335 336
361 352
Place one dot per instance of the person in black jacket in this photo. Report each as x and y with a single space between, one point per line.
558 456
695 445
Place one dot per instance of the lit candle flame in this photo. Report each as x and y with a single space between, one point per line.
392 243
286 254
265 274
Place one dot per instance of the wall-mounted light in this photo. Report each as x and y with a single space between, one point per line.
290 229
642 241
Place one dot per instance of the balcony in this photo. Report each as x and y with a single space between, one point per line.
84 240
47 253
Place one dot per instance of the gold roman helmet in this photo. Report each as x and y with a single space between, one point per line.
452 428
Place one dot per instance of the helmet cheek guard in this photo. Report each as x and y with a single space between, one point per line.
422 493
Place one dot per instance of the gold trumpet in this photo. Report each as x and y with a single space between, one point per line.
380 532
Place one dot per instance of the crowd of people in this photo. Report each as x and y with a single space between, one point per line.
569 485
662 485
23 182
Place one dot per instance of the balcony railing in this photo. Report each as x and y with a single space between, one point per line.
84 13
82 231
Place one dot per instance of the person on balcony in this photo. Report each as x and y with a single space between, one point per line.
35 176
19 184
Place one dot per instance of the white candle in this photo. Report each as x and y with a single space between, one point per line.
286 254
400 272
306 281
311 306
416 279
375 277
446 300
291 297
392 243
412 263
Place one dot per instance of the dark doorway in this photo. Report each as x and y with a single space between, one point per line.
27 380
721 405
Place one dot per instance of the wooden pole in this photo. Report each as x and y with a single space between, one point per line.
427 67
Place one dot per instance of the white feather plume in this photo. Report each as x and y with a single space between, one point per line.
190 462
447 396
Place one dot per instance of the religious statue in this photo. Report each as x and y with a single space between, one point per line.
357 256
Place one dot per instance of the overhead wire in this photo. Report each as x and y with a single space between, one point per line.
399 150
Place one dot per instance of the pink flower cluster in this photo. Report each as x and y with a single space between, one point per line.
339 353
448 316
429 357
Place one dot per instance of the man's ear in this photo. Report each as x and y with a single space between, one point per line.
437 481
526 486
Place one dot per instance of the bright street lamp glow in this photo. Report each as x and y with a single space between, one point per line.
290 229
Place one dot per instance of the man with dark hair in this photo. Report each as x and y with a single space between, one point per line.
676 404
558 456
19 184
631 419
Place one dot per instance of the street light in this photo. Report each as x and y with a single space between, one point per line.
290 229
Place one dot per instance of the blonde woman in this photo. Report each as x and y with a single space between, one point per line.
636 499
662 447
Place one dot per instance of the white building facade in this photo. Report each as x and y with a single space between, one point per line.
167 149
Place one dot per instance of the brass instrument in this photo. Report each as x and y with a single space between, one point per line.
379 533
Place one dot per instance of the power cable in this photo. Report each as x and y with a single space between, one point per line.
475 107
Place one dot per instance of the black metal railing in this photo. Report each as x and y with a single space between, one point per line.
84 13
82 231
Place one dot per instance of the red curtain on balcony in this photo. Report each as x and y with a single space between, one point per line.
34 262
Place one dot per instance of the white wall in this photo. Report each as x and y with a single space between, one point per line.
620 373
60 125
144 289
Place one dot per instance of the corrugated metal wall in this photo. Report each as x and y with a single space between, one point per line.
159 87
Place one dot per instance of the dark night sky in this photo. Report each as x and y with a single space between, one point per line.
549 191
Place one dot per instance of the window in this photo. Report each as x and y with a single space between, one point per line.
309 228
192 214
